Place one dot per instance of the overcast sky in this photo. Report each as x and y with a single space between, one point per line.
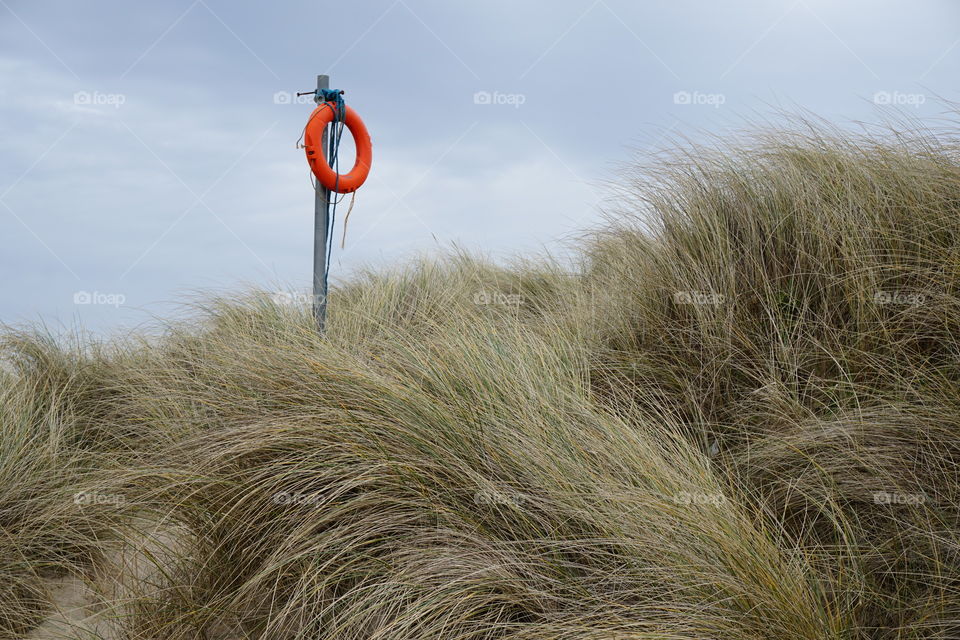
148 148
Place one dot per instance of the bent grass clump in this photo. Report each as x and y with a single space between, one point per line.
737 418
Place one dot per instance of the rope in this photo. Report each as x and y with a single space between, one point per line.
346 219
333 98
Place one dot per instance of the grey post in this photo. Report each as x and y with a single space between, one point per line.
321 222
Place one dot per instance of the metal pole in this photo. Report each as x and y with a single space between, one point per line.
321 223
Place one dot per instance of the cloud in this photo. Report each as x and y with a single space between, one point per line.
146 201
165 164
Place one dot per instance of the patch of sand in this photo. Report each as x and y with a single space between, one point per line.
93 607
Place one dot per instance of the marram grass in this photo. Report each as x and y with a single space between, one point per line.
737 417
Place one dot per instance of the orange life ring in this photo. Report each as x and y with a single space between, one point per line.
323 115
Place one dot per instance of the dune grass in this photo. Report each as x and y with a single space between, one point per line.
738 417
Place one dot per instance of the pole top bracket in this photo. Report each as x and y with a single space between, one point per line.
323 95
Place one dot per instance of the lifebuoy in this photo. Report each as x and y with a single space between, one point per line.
323 115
